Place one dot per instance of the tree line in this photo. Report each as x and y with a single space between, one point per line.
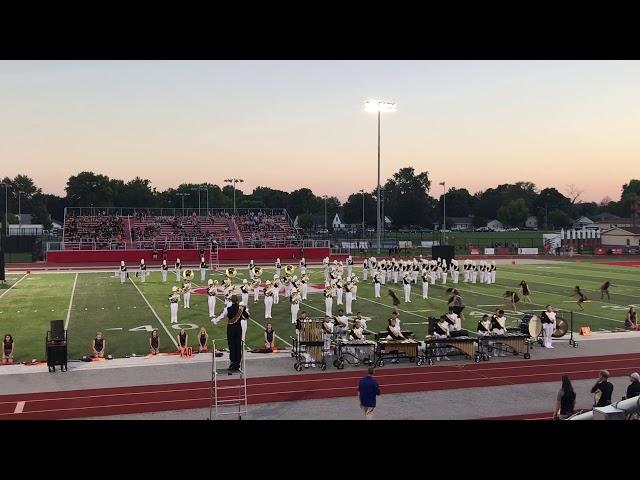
406 199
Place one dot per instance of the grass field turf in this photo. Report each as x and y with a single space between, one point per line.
120 311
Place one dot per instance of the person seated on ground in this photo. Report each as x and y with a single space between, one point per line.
633 390
631 319
8 349
183 341
154 343
203 339
98 345
269 337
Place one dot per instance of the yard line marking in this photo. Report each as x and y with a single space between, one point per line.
19 407
175 342
7 290
117 328
73 291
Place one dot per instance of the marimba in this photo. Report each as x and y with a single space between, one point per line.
515 343
359 350
396 349
463 346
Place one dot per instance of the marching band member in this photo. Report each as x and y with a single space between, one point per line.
304 285
123 271
174 300
278 266
348 295
425 284
498 327
143 270
295 304
393 329
203 269
445 271
303 266
455 324
373 264
211 297
456 302
228 293
455 273
407 287
256 289
389 270
328 299
484 326
342 322
287 285
474 271
164 269
251 267
362 320
365 269
376 285
416 269
432 271
383 272
548 318
178 269
441 330
325 268
354 287
327 330
439 269
339 289
467 264
349 265
186 293
268 299
481 271
244 292
340 269
493 271
356 334
396 269
276 289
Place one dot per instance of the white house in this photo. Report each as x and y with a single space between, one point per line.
606 221
495 225
460 223
532 222
583 222
621 237
337 223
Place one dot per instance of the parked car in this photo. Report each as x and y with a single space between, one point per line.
371 230
482 229
514 229
323 231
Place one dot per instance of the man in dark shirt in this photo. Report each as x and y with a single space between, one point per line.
633 390
602 390
368 389
234 313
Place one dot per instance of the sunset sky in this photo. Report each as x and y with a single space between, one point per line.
289 124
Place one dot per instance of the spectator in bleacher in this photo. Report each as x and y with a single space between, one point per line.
602 390
8 349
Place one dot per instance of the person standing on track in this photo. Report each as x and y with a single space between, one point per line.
602 390
368 390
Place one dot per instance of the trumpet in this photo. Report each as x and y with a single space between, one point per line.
230 272
257 271
289 269
187 274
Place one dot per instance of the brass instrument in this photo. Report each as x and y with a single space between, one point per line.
187 274
231 272
289 269
257 271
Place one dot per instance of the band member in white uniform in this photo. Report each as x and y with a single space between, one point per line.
276 289
365 269
212 290
327 330
455 272
178 269
474 271
354 287
498 327
328 299
164 270
123 271
339 291
203 269
143 270
268 299
396 269
376 285
465 269
441 330
425 284
416 270
303 266
548 319
174 300
348 296
484 326
455 324
349 265
342 323
244 291
186 293
406 282
256 289
295 304
445 271
383 272
287 285
325 268
493 271
432 271
250 268
278 266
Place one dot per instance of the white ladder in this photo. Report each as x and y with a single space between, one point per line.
222 405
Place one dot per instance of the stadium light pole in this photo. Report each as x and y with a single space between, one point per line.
234 181
378 107
6 207
19 210
198 190
325 211
183 195
362 192
444 202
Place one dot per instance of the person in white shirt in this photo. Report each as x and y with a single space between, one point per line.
304 285
454 321
348 287
441 330
339 291
143 270
376 285
303 266
268 299
327 330
362 320
276 289
244 289
164 269
425 284
548 318
349 265
342 323
493 271
123 272
474 271
186 294
406 281
455 271
278 267
174 301
295 304
499 327
328 299
178 269
203 269
212 290
365 269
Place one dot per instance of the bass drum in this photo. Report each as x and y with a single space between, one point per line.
535 326
561 328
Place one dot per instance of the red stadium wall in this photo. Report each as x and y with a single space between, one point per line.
186 256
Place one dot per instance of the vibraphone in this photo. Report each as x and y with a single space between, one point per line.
510 342
463 346
359 350
308 347
396 349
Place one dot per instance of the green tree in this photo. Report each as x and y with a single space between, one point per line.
352 208
305 221
88 188
459 202
514 213
559 219
407 200
304 201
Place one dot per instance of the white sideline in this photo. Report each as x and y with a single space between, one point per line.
73 291
7 291
175 342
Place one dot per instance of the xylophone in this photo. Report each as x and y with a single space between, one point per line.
464 345
360 350
511 342
396 349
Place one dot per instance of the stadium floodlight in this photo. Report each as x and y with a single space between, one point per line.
444 201
234 181
6 207
183 195
377 106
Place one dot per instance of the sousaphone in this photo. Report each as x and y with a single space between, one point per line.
187 274
257 271
289 269
231 272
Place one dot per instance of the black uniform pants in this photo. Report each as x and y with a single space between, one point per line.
234 339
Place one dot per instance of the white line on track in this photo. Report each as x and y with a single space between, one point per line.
7 291
73 290
156 315
19 407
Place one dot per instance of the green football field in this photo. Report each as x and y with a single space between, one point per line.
126 313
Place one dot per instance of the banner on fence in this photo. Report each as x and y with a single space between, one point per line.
429 243
600 251
405 244
617 251
527 251
474 251
489 251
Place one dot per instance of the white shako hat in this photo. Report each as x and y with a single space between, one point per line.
210 282
244 281
174 289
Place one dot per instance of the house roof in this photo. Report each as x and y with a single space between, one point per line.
605 217
460 219
623 231
583 220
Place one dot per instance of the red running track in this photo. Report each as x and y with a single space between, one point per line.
153 398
